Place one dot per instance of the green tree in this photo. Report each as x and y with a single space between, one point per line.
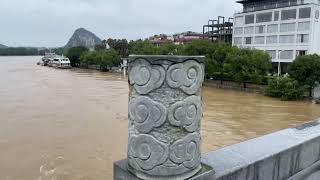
247 65
142 47
306 70
285 88
103 59
119 45
74 55
215 54
167 49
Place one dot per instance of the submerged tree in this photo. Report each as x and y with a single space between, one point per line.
247 65
74 55
103 59
306 70
285 88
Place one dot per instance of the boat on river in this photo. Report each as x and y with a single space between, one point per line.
61 62
46 59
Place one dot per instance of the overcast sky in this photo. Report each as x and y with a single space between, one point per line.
50 23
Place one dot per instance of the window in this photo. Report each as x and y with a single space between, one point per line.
273 28
249 19
276 16
238 20
272 39
286 54
302 38
293 2
289 14
258 6
301 53
272 53
260 29
283 3
248 40
238 30
286 39
248 7
238 40
270 5
259 40
264 17
248 30
304 26
304 13
288 27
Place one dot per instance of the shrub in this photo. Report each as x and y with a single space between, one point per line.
284 88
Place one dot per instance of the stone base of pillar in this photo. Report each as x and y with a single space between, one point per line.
121 172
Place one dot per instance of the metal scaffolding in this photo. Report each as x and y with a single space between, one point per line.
219 30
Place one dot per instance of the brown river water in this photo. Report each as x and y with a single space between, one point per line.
72 124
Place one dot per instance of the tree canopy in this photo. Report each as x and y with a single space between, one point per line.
306 70
74 55
103 59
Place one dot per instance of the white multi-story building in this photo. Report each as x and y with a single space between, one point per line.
283 28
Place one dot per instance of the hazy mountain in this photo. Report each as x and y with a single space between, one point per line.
83 37
2 46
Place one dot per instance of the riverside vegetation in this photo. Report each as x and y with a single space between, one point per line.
223 62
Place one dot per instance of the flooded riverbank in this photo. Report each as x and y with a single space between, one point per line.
72 124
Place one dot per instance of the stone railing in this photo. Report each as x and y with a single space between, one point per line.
165 110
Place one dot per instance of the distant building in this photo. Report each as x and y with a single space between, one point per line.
283 28
186 37
219 30
160 39
179 38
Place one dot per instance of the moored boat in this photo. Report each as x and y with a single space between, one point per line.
61 62
47 57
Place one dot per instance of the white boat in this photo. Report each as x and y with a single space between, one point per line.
47 57
59 62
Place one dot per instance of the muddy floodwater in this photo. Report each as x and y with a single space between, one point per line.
72 124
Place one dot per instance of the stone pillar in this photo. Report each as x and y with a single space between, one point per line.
165 109
316 93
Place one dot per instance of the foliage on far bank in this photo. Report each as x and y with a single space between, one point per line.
74 55
223 61
102 59
28 51
306 70
285 88
144 47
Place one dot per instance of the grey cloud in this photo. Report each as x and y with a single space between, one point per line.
52 22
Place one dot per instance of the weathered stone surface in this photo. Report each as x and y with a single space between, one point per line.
291 153
146 114
186 114
165 110
121 172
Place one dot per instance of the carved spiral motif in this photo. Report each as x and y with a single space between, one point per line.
146 77
186 151
146 114
147 152
186 113
187 76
